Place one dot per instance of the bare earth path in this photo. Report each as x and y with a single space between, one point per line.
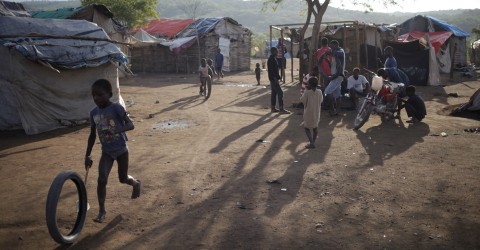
206 178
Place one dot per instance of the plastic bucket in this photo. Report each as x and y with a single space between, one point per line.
377 83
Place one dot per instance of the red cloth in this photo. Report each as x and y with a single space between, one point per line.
436 38
165 27
326 62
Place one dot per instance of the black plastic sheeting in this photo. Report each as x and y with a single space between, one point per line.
413 59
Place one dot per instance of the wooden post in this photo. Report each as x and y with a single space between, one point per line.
291 56
453 61
357 42
365 43
376 45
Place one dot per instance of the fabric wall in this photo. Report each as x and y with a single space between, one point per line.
43 97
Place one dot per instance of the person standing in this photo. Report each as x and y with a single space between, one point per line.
219 63
324 61
203 75
312 100
334 88
274 78
281 60
257 73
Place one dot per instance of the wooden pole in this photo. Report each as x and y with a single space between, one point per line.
291 56
365 44
357 42
453 61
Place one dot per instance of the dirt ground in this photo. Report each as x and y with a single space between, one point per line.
208 183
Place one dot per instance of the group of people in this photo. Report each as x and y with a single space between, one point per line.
207 69
329 74
110 120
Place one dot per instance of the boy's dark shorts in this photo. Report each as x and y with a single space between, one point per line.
282 62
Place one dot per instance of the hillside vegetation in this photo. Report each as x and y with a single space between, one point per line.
250 14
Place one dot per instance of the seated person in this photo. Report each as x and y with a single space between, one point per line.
414 106
357 86
397 75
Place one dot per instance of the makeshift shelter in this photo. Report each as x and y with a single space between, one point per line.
95 13
362 42
432 24
200 39
439 48
47 69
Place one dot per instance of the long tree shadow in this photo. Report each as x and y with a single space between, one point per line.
15 138
243 187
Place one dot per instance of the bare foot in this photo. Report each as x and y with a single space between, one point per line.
100 217
136 189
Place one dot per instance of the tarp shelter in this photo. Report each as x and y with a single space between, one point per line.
47 68
440 41
432 24
95 13
200 39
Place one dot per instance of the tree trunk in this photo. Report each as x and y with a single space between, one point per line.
303 69
318 11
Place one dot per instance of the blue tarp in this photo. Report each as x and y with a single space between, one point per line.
427 23
456 31
201 26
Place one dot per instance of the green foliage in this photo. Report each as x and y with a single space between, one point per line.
132 12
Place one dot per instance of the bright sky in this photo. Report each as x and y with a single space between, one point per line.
414 5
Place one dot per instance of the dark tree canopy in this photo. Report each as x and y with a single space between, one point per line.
132 12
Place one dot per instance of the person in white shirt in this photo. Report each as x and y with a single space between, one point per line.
357 86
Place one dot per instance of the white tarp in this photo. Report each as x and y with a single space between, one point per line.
224 45
142 37
180 43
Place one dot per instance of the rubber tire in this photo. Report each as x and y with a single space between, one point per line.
364 111
51 207
208 88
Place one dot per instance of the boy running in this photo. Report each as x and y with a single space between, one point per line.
110 121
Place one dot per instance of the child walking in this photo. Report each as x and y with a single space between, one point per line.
203 74
211 69
312 99
110 121
257 72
